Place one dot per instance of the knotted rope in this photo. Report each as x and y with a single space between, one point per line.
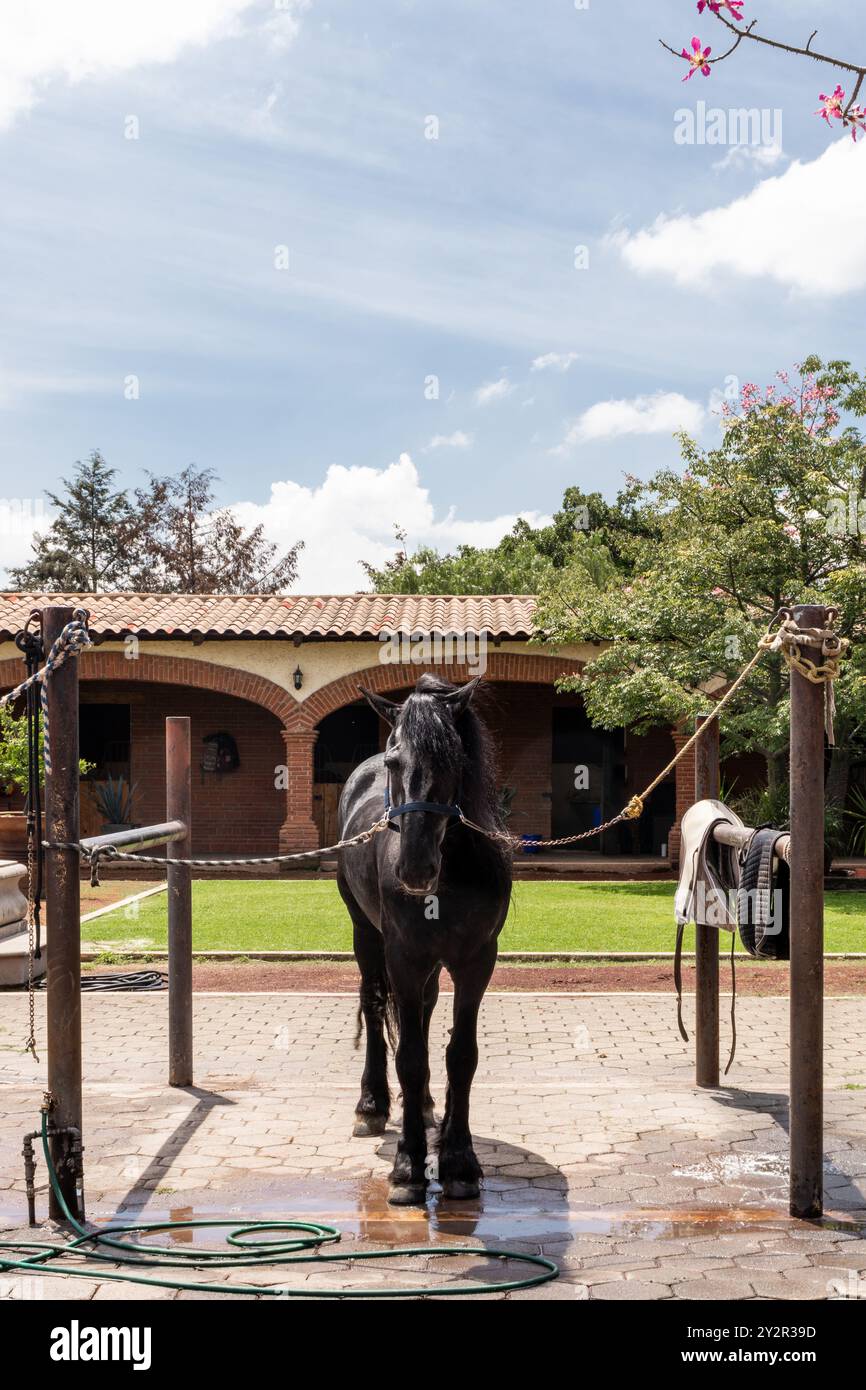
70 641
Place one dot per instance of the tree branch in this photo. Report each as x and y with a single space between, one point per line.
806 52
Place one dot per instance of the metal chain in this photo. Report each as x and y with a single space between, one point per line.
31 953
830 648
630 812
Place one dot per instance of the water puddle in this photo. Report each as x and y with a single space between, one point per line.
359 1208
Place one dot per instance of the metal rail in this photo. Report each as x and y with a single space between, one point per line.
139 837
730 835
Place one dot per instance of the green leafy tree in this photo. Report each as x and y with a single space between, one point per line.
514 566
523 562
87 544
774 514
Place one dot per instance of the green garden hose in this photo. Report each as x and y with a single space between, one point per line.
250 1248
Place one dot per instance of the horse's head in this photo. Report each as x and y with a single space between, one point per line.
424 762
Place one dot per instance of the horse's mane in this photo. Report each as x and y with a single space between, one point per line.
431 730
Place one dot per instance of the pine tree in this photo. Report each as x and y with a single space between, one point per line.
87 544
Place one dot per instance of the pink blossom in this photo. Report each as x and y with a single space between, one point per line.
735 7
697 59
832 108
856 119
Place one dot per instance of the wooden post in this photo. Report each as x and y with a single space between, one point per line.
178 807
707 938
807 933
63 914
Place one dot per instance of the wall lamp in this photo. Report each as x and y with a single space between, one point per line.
298 678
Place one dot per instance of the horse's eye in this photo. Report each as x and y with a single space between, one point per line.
392 758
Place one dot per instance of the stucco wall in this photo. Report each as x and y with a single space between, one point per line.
320 662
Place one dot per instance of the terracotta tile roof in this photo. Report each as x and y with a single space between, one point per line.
281 615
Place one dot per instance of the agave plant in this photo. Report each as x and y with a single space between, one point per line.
855 814
114 801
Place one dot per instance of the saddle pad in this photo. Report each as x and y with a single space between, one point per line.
763 899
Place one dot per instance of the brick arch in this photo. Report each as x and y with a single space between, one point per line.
97 665
534 667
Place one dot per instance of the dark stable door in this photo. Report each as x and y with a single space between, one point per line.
587 778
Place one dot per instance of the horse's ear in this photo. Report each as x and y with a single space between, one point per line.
459 699
386 708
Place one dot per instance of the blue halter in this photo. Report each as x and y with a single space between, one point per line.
437 808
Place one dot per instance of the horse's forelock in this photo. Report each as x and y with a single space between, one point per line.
428 726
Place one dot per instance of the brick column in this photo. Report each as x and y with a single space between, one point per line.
685 784
299 831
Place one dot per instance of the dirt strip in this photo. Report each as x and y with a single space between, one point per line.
840 977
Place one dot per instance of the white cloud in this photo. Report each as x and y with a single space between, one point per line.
665 412
57 39
493 391
555 361
805 229
351 516
20 518
760 156
458 440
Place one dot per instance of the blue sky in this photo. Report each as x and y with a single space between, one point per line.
304 126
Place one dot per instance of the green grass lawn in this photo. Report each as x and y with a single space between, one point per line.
269 915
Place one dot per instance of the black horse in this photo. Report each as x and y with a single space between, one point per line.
435 893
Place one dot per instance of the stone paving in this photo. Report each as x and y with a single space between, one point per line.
598 1150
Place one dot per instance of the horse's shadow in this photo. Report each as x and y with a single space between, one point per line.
525 1209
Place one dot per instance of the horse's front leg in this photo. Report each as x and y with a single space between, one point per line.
459 1170
409 1175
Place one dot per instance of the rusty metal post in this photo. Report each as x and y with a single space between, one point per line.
63 914
178 807
707 938
807 933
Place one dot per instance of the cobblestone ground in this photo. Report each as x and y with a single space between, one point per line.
597 1149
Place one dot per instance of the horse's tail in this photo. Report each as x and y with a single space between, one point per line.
385 1009
391 1026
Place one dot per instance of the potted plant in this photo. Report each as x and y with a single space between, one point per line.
114 801
15 780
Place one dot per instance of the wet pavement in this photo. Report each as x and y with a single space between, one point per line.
598 1150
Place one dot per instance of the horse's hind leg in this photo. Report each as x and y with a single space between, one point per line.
459 1170
374 1104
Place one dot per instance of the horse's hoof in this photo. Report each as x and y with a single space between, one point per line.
408 1194
365 1125
461 1191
